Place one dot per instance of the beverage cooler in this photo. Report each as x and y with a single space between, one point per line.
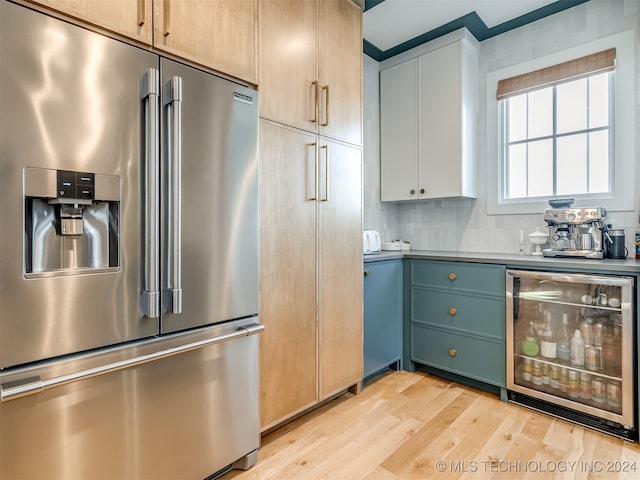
570 347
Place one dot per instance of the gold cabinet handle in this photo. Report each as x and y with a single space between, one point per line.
326 173
452 311
325 89
312 170
452 276
167 18
452 352
142 12
316 107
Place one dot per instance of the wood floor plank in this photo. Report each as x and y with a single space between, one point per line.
417 426
408 457
379 442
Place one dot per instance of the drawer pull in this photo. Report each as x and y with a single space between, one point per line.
452 311
452 276
452 352
367 272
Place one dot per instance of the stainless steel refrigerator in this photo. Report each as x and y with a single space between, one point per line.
128 259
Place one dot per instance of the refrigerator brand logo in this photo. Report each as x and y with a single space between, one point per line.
243 98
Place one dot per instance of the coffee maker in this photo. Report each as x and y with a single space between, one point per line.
575 232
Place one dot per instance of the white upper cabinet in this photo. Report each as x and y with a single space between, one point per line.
399 167
429 104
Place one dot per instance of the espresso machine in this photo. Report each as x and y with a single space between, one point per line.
576 232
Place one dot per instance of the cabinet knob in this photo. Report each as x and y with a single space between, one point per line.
422 190
452 311
452 352
452 276
367 272
412 191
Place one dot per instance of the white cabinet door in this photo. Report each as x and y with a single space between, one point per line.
399 131
440 120
428 122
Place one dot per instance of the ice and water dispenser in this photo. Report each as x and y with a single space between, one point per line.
71 221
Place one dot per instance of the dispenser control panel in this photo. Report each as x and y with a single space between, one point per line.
75 185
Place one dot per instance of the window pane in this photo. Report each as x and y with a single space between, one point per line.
599 161
517 172
571 166
517 118
541 113
572 106
540 168
599 100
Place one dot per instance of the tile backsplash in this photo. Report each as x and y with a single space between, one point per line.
463 224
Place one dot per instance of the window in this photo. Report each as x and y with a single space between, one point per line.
555 140
553 132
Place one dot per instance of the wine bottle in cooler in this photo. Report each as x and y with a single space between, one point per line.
577 349
563 340
548 345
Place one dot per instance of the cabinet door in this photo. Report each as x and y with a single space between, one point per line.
131 18
382 315
340 262
340 70
440 107
220 34
288 369
288 62
399 131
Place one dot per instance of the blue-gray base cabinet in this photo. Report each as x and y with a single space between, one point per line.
454 320
382 316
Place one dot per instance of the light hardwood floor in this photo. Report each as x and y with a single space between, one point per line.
413 425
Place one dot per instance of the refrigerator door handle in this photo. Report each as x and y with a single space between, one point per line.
172 101
150 92
32 385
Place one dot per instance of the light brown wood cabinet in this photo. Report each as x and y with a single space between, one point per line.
311 66
131 18
340 297
288 244
218 34
311 270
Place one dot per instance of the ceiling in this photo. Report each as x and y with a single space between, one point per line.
391 27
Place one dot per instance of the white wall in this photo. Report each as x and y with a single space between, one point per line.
462 224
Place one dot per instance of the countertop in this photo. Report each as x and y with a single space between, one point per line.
630 265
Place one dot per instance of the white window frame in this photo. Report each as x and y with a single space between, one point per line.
622 196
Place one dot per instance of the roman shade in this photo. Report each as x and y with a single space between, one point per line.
571 70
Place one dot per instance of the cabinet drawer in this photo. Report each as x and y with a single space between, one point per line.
477 358
476 277
481 314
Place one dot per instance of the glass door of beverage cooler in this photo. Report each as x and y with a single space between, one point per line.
570 344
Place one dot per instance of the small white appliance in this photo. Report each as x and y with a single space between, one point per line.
371 242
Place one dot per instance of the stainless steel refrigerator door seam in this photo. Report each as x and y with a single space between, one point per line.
150 91
172 100
33 385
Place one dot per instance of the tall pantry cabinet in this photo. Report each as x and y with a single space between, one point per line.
310 203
